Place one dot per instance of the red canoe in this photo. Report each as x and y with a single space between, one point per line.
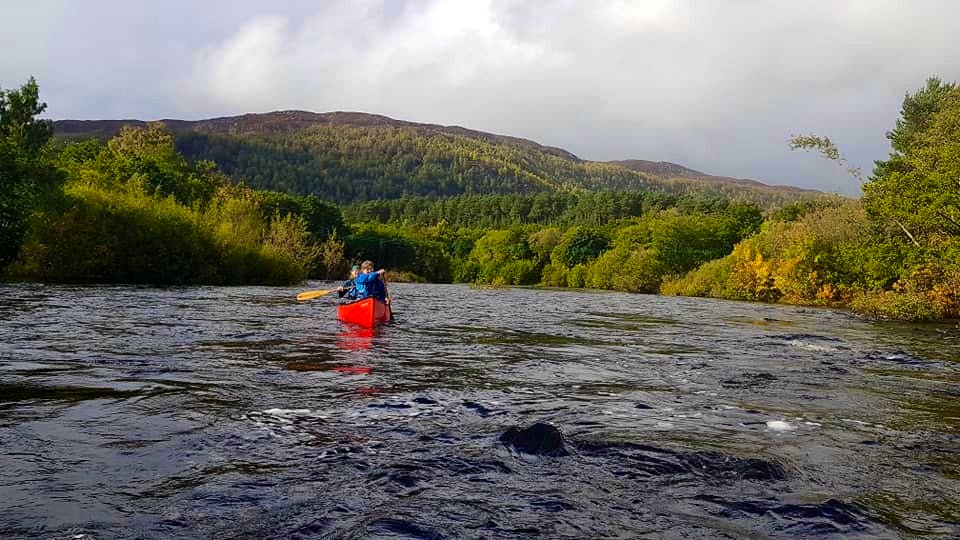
368 312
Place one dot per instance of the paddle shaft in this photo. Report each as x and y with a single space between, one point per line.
310 295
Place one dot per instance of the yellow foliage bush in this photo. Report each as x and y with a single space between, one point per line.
752 277
940 284
799 262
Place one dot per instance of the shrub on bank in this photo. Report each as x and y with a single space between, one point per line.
820 259
576 277
900 306
712 279
115 236
629 270
125 235
135 211
554 275
929 291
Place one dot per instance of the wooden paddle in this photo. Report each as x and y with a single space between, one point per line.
310 295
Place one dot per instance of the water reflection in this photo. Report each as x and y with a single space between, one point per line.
355 338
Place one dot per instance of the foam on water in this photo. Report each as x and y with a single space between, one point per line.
780 425
814 347
287 412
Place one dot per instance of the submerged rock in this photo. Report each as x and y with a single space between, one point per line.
539 439
480 409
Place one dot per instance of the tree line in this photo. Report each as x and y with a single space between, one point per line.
562 208
142 207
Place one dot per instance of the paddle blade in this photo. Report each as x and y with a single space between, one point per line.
310 295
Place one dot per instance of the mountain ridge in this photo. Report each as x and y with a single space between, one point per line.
290 120
667 169
349 156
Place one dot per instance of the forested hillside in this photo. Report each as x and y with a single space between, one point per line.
351 157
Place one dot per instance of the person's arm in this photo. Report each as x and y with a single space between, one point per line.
363 279
383 279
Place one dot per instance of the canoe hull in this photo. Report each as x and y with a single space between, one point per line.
368 312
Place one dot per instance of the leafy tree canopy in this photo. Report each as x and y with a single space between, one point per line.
22 173
915 192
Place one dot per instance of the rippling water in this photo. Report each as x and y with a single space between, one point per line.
235 412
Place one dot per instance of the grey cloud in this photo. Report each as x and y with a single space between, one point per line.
717 86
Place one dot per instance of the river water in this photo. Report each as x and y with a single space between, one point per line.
132 412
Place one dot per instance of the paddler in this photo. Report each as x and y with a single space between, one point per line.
370 283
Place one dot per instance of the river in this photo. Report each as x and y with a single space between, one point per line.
135 412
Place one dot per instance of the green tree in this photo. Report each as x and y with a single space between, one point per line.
912 194
22 171
916 188
544 241
916 114
500 246
504 257
322 217
579 245
148 155
332 262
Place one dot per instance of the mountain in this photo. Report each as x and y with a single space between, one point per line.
667 170
352 156
290 121
663 169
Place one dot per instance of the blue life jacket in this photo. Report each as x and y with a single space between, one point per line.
370 285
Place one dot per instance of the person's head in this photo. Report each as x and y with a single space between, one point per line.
354 271
366 267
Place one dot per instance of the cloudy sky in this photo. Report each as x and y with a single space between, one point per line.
715 85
